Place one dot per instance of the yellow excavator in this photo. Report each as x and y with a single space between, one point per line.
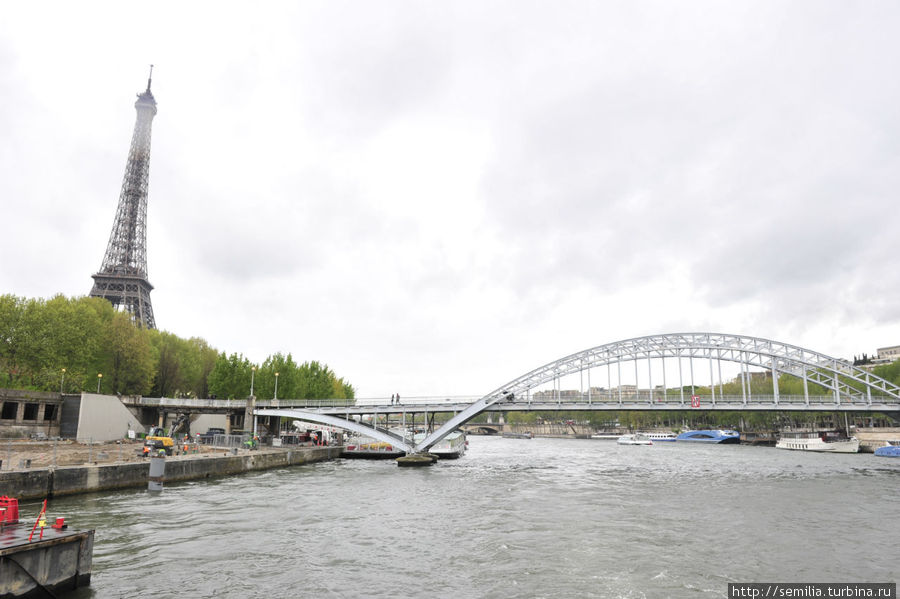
157 440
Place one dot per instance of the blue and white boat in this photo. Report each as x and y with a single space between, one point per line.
710 436
891 450
657 436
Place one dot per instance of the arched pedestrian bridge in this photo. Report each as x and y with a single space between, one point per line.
658 372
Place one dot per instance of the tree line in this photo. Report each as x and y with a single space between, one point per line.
83 343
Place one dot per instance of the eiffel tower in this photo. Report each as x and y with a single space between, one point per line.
122 278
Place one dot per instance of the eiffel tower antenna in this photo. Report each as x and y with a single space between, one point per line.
122 278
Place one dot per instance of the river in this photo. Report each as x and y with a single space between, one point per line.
512 518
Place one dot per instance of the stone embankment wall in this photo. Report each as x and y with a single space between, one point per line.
871 439
551 430
70 480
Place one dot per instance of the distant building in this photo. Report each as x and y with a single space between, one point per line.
29 414
889 354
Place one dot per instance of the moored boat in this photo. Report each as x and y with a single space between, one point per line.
635 439
824 441
891 450
710 436
370 449
525 435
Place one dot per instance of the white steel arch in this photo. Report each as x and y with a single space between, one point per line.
344 423
839 376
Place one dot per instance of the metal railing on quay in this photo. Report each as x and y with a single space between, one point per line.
225 441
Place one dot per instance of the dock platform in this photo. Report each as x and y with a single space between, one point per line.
60 561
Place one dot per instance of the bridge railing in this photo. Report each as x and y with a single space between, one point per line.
422 400
605 399
363 401
304 403
703 400
163 402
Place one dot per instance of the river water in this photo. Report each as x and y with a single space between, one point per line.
512 518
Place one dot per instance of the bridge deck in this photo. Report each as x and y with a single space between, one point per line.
824 403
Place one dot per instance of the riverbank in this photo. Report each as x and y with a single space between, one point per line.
55 481
871 439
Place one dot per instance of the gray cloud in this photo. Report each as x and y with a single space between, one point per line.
435 198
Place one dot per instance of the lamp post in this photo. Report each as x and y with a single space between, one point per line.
62 381
252 401
276 385
99 378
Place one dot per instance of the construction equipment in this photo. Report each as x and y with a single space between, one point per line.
157 439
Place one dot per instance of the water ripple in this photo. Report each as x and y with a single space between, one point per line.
538 518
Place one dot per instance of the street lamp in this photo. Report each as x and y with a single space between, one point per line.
62 380
276 385
252 373
99 378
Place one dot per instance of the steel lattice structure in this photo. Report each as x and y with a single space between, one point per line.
843 379
851 389
122 278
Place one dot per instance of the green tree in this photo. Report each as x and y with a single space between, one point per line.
230 377
316 381
203 359
11 311
128 358
521 417
86 336
288 377
80 337
169 354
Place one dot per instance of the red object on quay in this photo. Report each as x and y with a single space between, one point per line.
9 510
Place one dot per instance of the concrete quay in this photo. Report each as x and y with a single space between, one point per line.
41 483
871 439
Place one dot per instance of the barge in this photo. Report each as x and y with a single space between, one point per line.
39 560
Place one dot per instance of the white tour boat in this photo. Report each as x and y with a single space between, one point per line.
828 441
635 439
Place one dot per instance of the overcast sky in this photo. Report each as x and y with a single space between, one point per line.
436 197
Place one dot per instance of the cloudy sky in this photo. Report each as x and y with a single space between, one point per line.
436 197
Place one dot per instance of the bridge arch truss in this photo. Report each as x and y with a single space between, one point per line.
844 381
